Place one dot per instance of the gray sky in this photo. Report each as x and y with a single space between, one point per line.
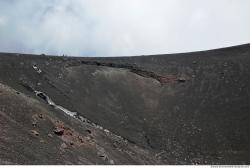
121 27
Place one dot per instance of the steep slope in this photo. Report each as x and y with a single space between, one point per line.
188 108
33 133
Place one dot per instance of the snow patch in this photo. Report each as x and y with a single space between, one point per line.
38 70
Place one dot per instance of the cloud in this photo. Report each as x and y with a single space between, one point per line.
2 21
124 27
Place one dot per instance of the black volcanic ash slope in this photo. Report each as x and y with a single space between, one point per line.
188 108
